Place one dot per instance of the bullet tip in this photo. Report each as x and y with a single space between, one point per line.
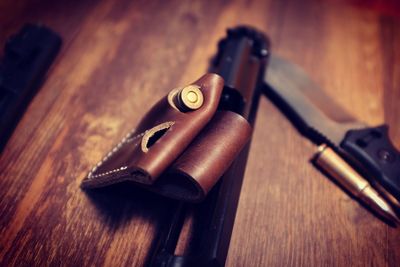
394 217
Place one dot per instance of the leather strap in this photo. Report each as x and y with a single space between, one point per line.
207 158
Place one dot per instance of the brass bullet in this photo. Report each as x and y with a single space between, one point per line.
186 99
344 174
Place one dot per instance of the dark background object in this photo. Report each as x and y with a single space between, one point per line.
241 60
26 60
118 59
373 148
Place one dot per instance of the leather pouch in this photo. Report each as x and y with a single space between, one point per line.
176 151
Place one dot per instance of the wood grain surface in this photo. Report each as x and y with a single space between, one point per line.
119 58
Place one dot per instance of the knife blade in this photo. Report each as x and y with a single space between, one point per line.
367 149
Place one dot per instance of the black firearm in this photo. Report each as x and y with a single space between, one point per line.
241 60
26 60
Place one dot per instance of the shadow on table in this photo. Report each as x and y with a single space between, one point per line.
120 203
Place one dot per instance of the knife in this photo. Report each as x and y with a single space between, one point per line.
356 149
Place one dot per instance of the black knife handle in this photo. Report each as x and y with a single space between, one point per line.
374 150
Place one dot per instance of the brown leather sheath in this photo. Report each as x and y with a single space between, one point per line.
179 154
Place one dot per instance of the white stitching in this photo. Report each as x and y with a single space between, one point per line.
125 140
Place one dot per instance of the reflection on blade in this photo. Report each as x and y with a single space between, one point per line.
311 110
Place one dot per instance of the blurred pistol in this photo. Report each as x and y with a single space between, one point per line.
241 60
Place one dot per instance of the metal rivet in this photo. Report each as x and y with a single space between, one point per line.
385 156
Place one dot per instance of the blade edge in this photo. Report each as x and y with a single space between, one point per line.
306 104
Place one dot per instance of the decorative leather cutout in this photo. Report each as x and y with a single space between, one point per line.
151 136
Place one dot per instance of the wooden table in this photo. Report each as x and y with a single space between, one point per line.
120 57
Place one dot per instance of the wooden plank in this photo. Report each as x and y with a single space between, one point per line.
120 57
